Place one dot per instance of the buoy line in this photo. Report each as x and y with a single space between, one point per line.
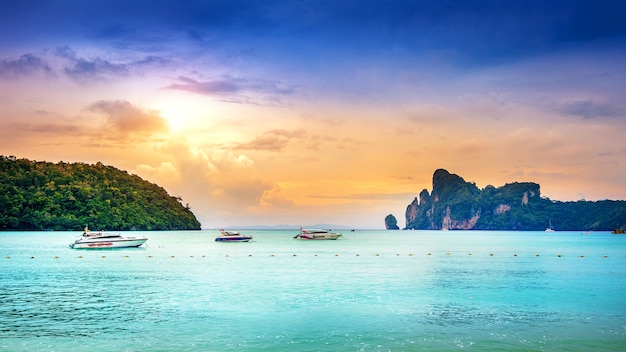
410 254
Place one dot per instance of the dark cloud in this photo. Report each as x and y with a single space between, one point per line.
96 68
588 109
129 118
25 65
81 69
232 89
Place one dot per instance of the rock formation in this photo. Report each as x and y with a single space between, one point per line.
455 204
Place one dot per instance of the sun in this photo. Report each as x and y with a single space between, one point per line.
176 117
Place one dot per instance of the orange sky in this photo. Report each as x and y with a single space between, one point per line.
339 132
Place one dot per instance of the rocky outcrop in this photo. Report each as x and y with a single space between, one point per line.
391 223
455 204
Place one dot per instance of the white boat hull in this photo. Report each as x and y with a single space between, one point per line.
233 239
102 243
232 236
315 234
319 237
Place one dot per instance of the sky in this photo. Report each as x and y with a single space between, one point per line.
306 112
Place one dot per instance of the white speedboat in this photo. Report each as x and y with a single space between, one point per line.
232 236
100 240
317 234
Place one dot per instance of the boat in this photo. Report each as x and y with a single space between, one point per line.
103 240
317 234
232 236
618 232
550 229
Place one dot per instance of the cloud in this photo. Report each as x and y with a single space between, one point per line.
236 90
588 109
275 140
81 69
127 117
25 65
96 68
213 181
51 129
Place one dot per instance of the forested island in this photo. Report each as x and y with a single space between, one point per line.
455 204
37 195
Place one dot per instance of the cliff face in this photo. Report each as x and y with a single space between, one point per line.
455 204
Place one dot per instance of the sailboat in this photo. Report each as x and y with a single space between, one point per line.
550 229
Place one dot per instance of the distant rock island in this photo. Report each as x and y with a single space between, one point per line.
455 204
38 195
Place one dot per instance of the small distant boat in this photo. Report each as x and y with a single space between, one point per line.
550 229
317 234
618 232
103 240
232 236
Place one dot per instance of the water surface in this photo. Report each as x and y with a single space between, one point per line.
370 291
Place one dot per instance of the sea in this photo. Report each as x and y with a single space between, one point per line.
368 291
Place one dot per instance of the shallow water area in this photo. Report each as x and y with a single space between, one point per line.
369 291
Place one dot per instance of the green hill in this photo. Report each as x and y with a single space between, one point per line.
459 205
68 196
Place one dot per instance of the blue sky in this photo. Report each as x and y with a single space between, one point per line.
320 111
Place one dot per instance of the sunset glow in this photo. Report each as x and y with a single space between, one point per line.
286 112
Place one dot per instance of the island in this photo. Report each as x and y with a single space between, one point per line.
455 204
38 195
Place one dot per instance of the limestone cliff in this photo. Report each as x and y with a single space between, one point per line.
455 204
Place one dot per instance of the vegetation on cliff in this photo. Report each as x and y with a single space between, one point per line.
67 196
457 204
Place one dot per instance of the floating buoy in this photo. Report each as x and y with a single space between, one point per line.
428 253
104 256
315 255
491 254
56 256
226 255
515 255
249 255
378 255
357 254
558 255
80 257
606 256
125 256
469 253
272 254
149 256
536 255
32 257
582 256
171 256
8 257
336 255
294 254
410 254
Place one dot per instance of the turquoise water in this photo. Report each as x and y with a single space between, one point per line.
370 291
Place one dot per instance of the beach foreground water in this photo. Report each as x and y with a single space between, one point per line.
370 291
